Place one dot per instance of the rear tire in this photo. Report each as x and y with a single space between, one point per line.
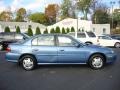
96 61
117 45
28 62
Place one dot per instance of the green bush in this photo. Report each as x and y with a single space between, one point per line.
46 31
72 29
30 32
52 30
68 30
57 29
18 29
63 30
37 31
7 29
115 31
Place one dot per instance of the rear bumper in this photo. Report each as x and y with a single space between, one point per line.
12 57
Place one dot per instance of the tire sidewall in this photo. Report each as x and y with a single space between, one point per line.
32 58
116 44
91 59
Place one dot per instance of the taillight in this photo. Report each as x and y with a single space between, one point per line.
97 40
8 49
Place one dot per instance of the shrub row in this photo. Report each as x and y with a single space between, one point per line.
38 31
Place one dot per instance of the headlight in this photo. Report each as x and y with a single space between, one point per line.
112 51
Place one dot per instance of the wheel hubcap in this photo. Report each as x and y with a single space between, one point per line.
117 45
27 63
97 62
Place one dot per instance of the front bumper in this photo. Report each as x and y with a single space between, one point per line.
111 58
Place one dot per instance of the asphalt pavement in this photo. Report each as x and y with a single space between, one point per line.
59 77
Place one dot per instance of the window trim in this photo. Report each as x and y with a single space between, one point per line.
43 45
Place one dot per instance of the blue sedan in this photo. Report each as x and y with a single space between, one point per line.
58 49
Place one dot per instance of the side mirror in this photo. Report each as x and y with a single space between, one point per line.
77 45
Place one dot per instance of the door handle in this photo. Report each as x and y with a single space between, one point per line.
61 50
35 50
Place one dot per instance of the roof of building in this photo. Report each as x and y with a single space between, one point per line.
21 24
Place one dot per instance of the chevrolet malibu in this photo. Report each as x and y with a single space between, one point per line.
57 49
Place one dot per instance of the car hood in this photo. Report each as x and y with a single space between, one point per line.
97 47
94 46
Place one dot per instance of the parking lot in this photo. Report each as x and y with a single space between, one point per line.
60 77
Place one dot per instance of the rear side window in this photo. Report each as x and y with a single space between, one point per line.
8 36
72 34
91 34
1 35
104 37
81 35
44 41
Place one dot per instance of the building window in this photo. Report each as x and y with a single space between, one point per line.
93 29
104 30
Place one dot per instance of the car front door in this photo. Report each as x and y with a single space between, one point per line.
44 48
68 52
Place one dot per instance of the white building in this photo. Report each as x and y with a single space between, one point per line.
83 25
101 28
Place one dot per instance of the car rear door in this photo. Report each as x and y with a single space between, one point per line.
45 49
68 52
106 41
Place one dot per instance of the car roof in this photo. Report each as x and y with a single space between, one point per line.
51 35
9 33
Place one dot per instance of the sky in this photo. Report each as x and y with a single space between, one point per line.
35 5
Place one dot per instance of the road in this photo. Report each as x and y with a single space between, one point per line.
61 77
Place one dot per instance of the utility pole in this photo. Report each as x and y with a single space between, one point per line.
112 4
119 3
77 12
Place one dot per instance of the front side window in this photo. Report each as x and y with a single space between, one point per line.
91 34
43 41
65 41
81 35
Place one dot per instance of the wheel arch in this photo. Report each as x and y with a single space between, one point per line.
97 53
25 55
89 42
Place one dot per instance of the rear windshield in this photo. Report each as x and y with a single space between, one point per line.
72 34
91 34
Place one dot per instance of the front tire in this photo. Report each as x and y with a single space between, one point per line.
96 61
28 62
